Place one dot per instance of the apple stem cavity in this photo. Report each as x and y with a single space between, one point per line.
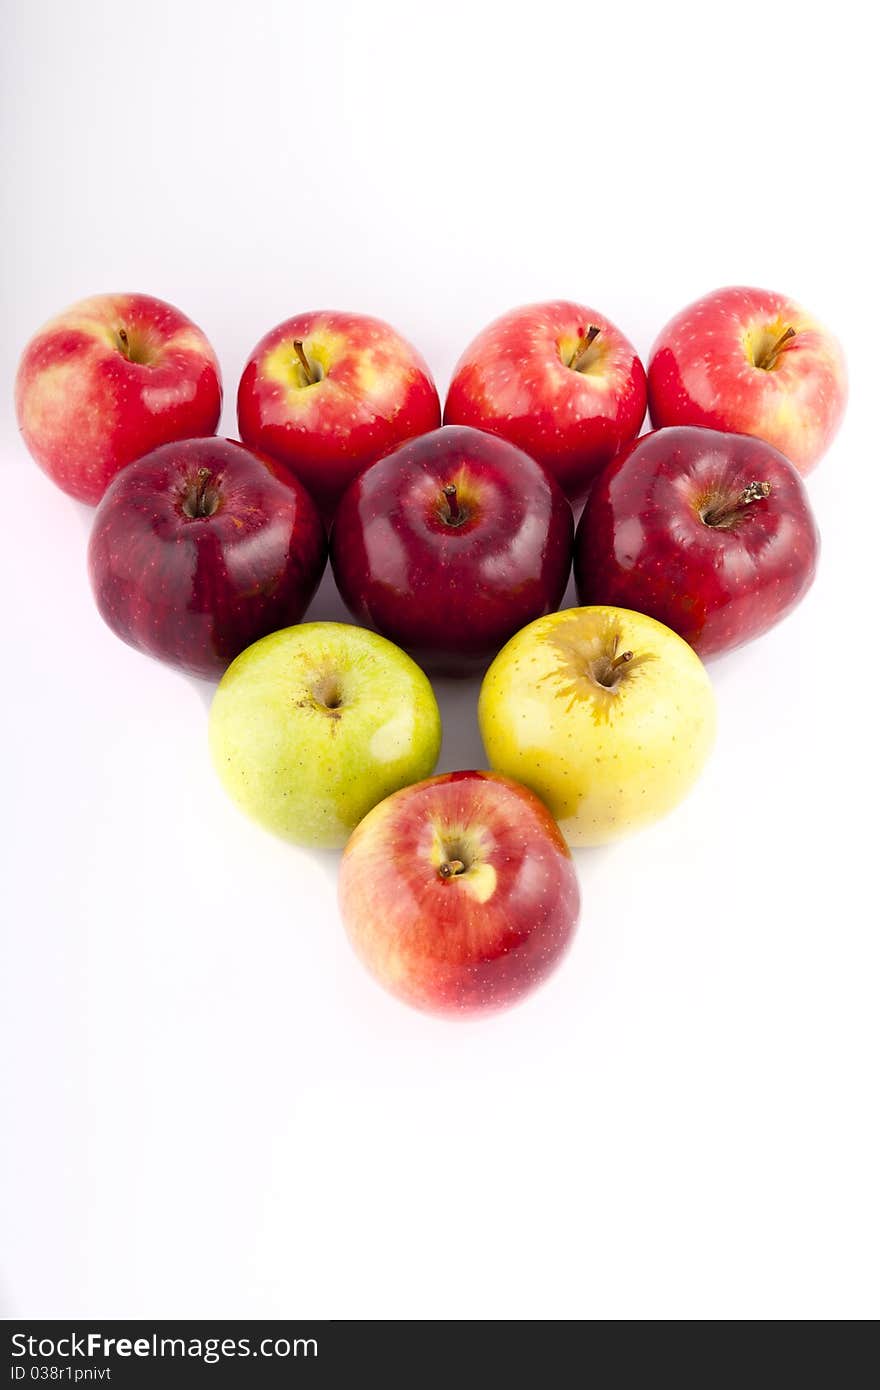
450 868
725 514
608 672
767 360
201 499
311 375
139 351
579 357
609 669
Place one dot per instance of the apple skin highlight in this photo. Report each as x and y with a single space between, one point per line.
459 894
109 380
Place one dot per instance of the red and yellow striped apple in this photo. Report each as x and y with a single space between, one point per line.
751 362
329 393
459 893
109 380
560 381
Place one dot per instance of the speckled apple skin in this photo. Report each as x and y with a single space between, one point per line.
195 591
702 372
514 381
85 410
604 761
474 943
307 766
642 542
375 392
452 594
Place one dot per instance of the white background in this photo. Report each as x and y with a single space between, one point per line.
208 1107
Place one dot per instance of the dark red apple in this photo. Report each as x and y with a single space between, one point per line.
200 548
459 893
452 544
329 393
558 380
709 533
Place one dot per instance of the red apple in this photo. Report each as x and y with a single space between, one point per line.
751 362
558 380
709 533
452 544
107 381
200 548
329 393
459 893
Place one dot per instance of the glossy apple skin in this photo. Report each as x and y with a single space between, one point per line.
607 750
643 543
196 590
86 410
450 593
312 726
374 392
480 940
514 381
702 372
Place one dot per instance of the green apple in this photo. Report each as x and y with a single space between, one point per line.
312 726
605 713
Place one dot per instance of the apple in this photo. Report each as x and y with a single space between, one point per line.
559 381
459 894
452 544
328 393
709 533
200 548
312 726
750 362
109 380
605 714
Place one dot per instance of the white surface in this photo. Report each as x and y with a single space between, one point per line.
209 1109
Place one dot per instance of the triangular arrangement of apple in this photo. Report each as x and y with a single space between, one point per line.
451 544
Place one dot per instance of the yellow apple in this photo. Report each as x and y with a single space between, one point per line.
606 714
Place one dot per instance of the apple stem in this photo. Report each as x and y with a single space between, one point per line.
450 868
768 360
578 358
621 661
752 492
200 500
453 510
124 343
304 361
201 489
